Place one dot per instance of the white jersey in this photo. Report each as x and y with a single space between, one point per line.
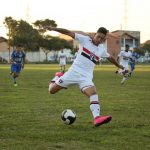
124 58
62 58
88 55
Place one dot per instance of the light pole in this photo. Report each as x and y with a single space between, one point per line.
9 42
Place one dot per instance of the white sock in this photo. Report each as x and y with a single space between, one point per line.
94 105
52 82
50 86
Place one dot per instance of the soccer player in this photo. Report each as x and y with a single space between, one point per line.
17 62
81 71
133 61
62 60
124 57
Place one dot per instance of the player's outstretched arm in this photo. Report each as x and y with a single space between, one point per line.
113 61
61 30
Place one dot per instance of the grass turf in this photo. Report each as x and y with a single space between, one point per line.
30 117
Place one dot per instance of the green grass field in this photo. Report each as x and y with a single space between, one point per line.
30 117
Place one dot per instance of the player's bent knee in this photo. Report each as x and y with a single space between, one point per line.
53 88
50 89
52 92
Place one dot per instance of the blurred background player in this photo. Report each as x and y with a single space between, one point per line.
62 60
17 62
123 58
133 61
81 71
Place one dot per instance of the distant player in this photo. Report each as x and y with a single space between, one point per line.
17 62
62 60
81 71
124 57
133 61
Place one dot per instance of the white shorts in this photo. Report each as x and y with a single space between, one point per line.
72 77
62 63
125 65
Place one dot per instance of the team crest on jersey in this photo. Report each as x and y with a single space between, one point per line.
60 81
92 56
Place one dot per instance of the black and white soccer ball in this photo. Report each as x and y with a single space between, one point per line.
68 116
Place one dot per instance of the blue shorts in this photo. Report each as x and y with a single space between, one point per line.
16 68
132 65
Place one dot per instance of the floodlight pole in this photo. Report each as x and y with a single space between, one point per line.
9 43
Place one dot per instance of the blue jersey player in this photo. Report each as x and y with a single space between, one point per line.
133 61
17 62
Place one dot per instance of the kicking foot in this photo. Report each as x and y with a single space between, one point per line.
101 120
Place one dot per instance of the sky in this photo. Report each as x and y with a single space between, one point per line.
83 15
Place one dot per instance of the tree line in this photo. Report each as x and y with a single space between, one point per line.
32 37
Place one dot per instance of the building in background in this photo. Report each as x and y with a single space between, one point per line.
132 38
4 50
115 42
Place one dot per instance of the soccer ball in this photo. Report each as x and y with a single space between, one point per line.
68 116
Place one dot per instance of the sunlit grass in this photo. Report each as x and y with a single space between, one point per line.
30 117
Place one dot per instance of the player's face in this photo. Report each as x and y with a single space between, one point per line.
18 48
99 38
127 48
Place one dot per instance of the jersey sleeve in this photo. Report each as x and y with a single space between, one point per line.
81 38
24 54
105 53
12 55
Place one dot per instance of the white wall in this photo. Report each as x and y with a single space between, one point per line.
38 56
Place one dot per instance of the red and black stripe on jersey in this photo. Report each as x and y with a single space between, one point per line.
86 53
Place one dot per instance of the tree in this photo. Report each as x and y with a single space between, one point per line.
21 32
39 24
139 51
49 43
10 25
146 47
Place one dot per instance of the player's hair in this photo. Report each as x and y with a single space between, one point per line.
102 30
18 45
127 46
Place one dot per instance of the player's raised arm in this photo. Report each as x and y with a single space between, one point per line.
61 30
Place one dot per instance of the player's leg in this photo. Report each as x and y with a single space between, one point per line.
125 73
61 68
126 76
63 64
64 80
64 68
14 73
132 66
15 76
90 91
53 87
